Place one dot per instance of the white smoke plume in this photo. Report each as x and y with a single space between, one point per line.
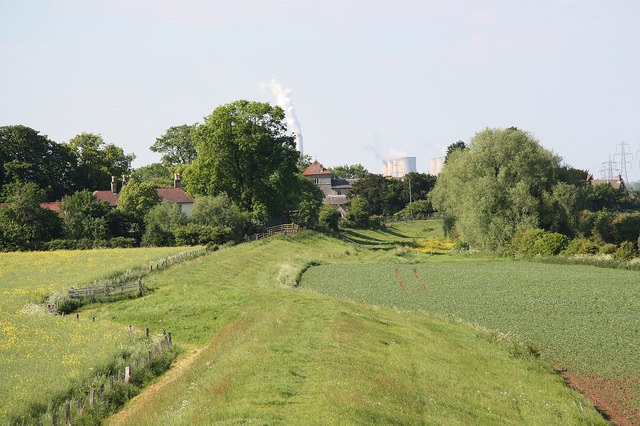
283 100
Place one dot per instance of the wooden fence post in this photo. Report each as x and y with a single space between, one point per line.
127 374
147 332
130 329
120 376
77 316
140 285
91 396
54 419
102 388
110 383
149 356
170 342
80 404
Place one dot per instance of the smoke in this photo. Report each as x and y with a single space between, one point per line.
392 154
283 100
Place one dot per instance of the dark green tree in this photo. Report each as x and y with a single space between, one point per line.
372 188
221 212
98 161
84 217
360 211
348 171
29 157
329 217
177 145
135 201
245 151
24 225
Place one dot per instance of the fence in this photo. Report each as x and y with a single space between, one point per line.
284 229
106 389
106 290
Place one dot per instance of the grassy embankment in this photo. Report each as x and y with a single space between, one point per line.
263 351
40 354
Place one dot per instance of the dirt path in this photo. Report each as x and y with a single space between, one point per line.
123 417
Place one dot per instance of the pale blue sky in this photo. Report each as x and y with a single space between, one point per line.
367 77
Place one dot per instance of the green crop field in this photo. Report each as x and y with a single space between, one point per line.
40 354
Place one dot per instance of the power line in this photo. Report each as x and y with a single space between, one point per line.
608 169
624 159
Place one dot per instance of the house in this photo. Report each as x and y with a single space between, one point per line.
335 190
617 183
174 195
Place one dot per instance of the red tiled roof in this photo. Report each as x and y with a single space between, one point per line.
316 169
107 196
175 195
56 206
615 183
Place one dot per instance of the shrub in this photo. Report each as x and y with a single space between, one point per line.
550 244
359 211
329 217
156 236
626 251
580 246
60 245
122 242
523 241
607 249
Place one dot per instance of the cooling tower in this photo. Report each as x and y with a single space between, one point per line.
399 167
435 166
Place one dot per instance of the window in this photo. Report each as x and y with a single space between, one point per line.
315 180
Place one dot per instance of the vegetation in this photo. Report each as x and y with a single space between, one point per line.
505 181
44 355
270 353
348 171
176 145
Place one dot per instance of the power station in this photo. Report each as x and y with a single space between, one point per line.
399 167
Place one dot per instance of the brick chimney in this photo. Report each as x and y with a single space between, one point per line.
125 179
114 185
176 180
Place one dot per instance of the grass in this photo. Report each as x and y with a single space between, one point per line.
41 354
267 352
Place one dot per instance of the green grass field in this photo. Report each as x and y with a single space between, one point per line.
263 351
40 354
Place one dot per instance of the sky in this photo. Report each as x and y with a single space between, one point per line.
367 79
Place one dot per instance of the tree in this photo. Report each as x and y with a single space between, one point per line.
501 183
245 151
84 217
160 221
24 225
308 200
456 146
136 199
97 162
348 172
176 145
372 188
157 175
359 211
220 211
329 217
28 157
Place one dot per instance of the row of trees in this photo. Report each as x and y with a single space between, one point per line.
85 162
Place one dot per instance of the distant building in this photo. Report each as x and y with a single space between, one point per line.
435 165
335 190
398 167
174 195
616 183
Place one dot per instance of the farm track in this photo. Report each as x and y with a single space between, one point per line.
415 271
400 279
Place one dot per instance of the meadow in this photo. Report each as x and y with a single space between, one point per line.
260 350
42 354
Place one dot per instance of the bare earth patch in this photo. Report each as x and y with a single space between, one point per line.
615 397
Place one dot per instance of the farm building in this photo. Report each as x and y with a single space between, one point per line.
335 189
174 195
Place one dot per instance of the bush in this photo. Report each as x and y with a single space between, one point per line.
122 242
607 249
329 217
550 244
156 236
60 245
626 251
533 242
580 246
359 211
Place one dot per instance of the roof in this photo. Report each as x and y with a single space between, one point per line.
107 196
316 169
340 183
56 206
616 183
335 200
174 195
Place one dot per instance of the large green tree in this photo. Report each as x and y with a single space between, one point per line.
98 161
176 145
348 171
244 150
29 157
502 182
84 217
